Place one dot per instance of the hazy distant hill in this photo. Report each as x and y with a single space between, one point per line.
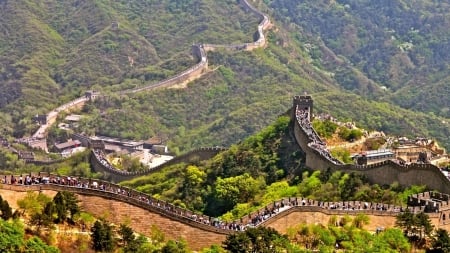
53 51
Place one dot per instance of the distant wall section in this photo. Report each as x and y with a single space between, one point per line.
115 175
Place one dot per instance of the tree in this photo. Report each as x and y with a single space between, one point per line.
258 240
35 244
405 220
66 203
360 220
11 236
191 188
440 242
12 239
5 209
390 240
33 203
239 189
175 247
45 218
102 236
414 225
129 241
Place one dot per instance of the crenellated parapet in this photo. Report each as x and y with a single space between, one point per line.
382 173
88 186
122 204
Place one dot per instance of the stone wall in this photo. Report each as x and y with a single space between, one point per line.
383 173
114 175
117 211
315 215
188 75
120 204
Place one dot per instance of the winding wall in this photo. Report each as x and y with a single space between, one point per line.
120 204
383 173
188 75
115 175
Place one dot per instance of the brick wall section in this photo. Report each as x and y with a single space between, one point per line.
383 173
198 236
141 220
315 215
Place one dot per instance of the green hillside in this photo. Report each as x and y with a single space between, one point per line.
53 51
67 47
400 45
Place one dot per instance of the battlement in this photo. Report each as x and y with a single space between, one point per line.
382 173
127 204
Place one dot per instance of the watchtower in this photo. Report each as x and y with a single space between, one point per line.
304 102
41 119
91 95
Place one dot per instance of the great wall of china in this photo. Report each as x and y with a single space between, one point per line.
121 204
382 173
38 139
99 164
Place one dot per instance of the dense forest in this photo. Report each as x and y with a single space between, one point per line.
399 46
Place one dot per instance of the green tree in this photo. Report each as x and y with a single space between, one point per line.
175 247
309 184
258 240
102 236
33 203
130 242
440 242
66 206
390 240
44 218
405 221
5 209
237 189
36 245
360 220
416 226
12 239
193 178
423 224
11 236
324 128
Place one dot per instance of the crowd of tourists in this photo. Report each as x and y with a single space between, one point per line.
315 143
143 199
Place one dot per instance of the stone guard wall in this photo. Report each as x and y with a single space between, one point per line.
115 175
383 173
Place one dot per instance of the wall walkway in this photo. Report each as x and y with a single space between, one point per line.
382 173
120 204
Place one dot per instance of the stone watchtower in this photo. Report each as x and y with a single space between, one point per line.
304 102
91 95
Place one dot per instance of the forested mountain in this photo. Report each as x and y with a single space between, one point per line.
402 46
52 51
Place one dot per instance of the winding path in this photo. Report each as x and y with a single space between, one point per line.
188 75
